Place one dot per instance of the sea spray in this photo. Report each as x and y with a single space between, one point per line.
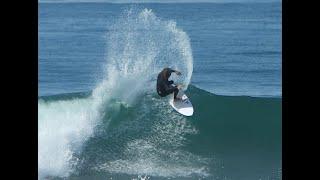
139 46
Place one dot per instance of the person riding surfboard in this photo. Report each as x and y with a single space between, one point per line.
164 86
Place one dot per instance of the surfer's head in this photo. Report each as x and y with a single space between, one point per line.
166 73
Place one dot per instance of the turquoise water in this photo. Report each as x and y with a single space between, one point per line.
99 116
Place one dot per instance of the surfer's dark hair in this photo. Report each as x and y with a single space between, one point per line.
165 73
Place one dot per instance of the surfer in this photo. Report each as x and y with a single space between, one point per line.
164 86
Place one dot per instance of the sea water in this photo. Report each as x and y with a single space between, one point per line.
236 46
99 116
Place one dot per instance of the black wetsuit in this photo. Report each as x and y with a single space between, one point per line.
164 86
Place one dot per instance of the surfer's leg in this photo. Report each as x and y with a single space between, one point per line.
176 91
172 89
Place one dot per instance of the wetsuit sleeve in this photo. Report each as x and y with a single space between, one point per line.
170 89
171 70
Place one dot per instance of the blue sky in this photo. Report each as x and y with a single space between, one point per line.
159 1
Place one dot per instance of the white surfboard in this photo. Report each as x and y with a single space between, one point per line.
183 106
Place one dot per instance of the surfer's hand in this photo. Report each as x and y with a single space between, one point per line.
178 73
179 86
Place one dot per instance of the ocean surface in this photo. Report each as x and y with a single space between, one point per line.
99 116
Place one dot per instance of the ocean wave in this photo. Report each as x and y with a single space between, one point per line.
136 53
147 137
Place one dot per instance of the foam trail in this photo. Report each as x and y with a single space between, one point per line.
139 46
159 153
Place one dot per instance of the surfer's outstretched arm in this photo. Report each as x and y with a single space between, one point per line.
177 72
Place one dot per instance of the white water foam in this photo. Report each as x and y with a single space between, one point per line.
63 127
139 46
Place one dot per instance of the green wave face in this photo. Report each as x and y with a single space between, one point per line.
227 137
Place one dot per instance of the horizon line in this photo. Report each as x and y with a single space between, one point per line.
188 2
